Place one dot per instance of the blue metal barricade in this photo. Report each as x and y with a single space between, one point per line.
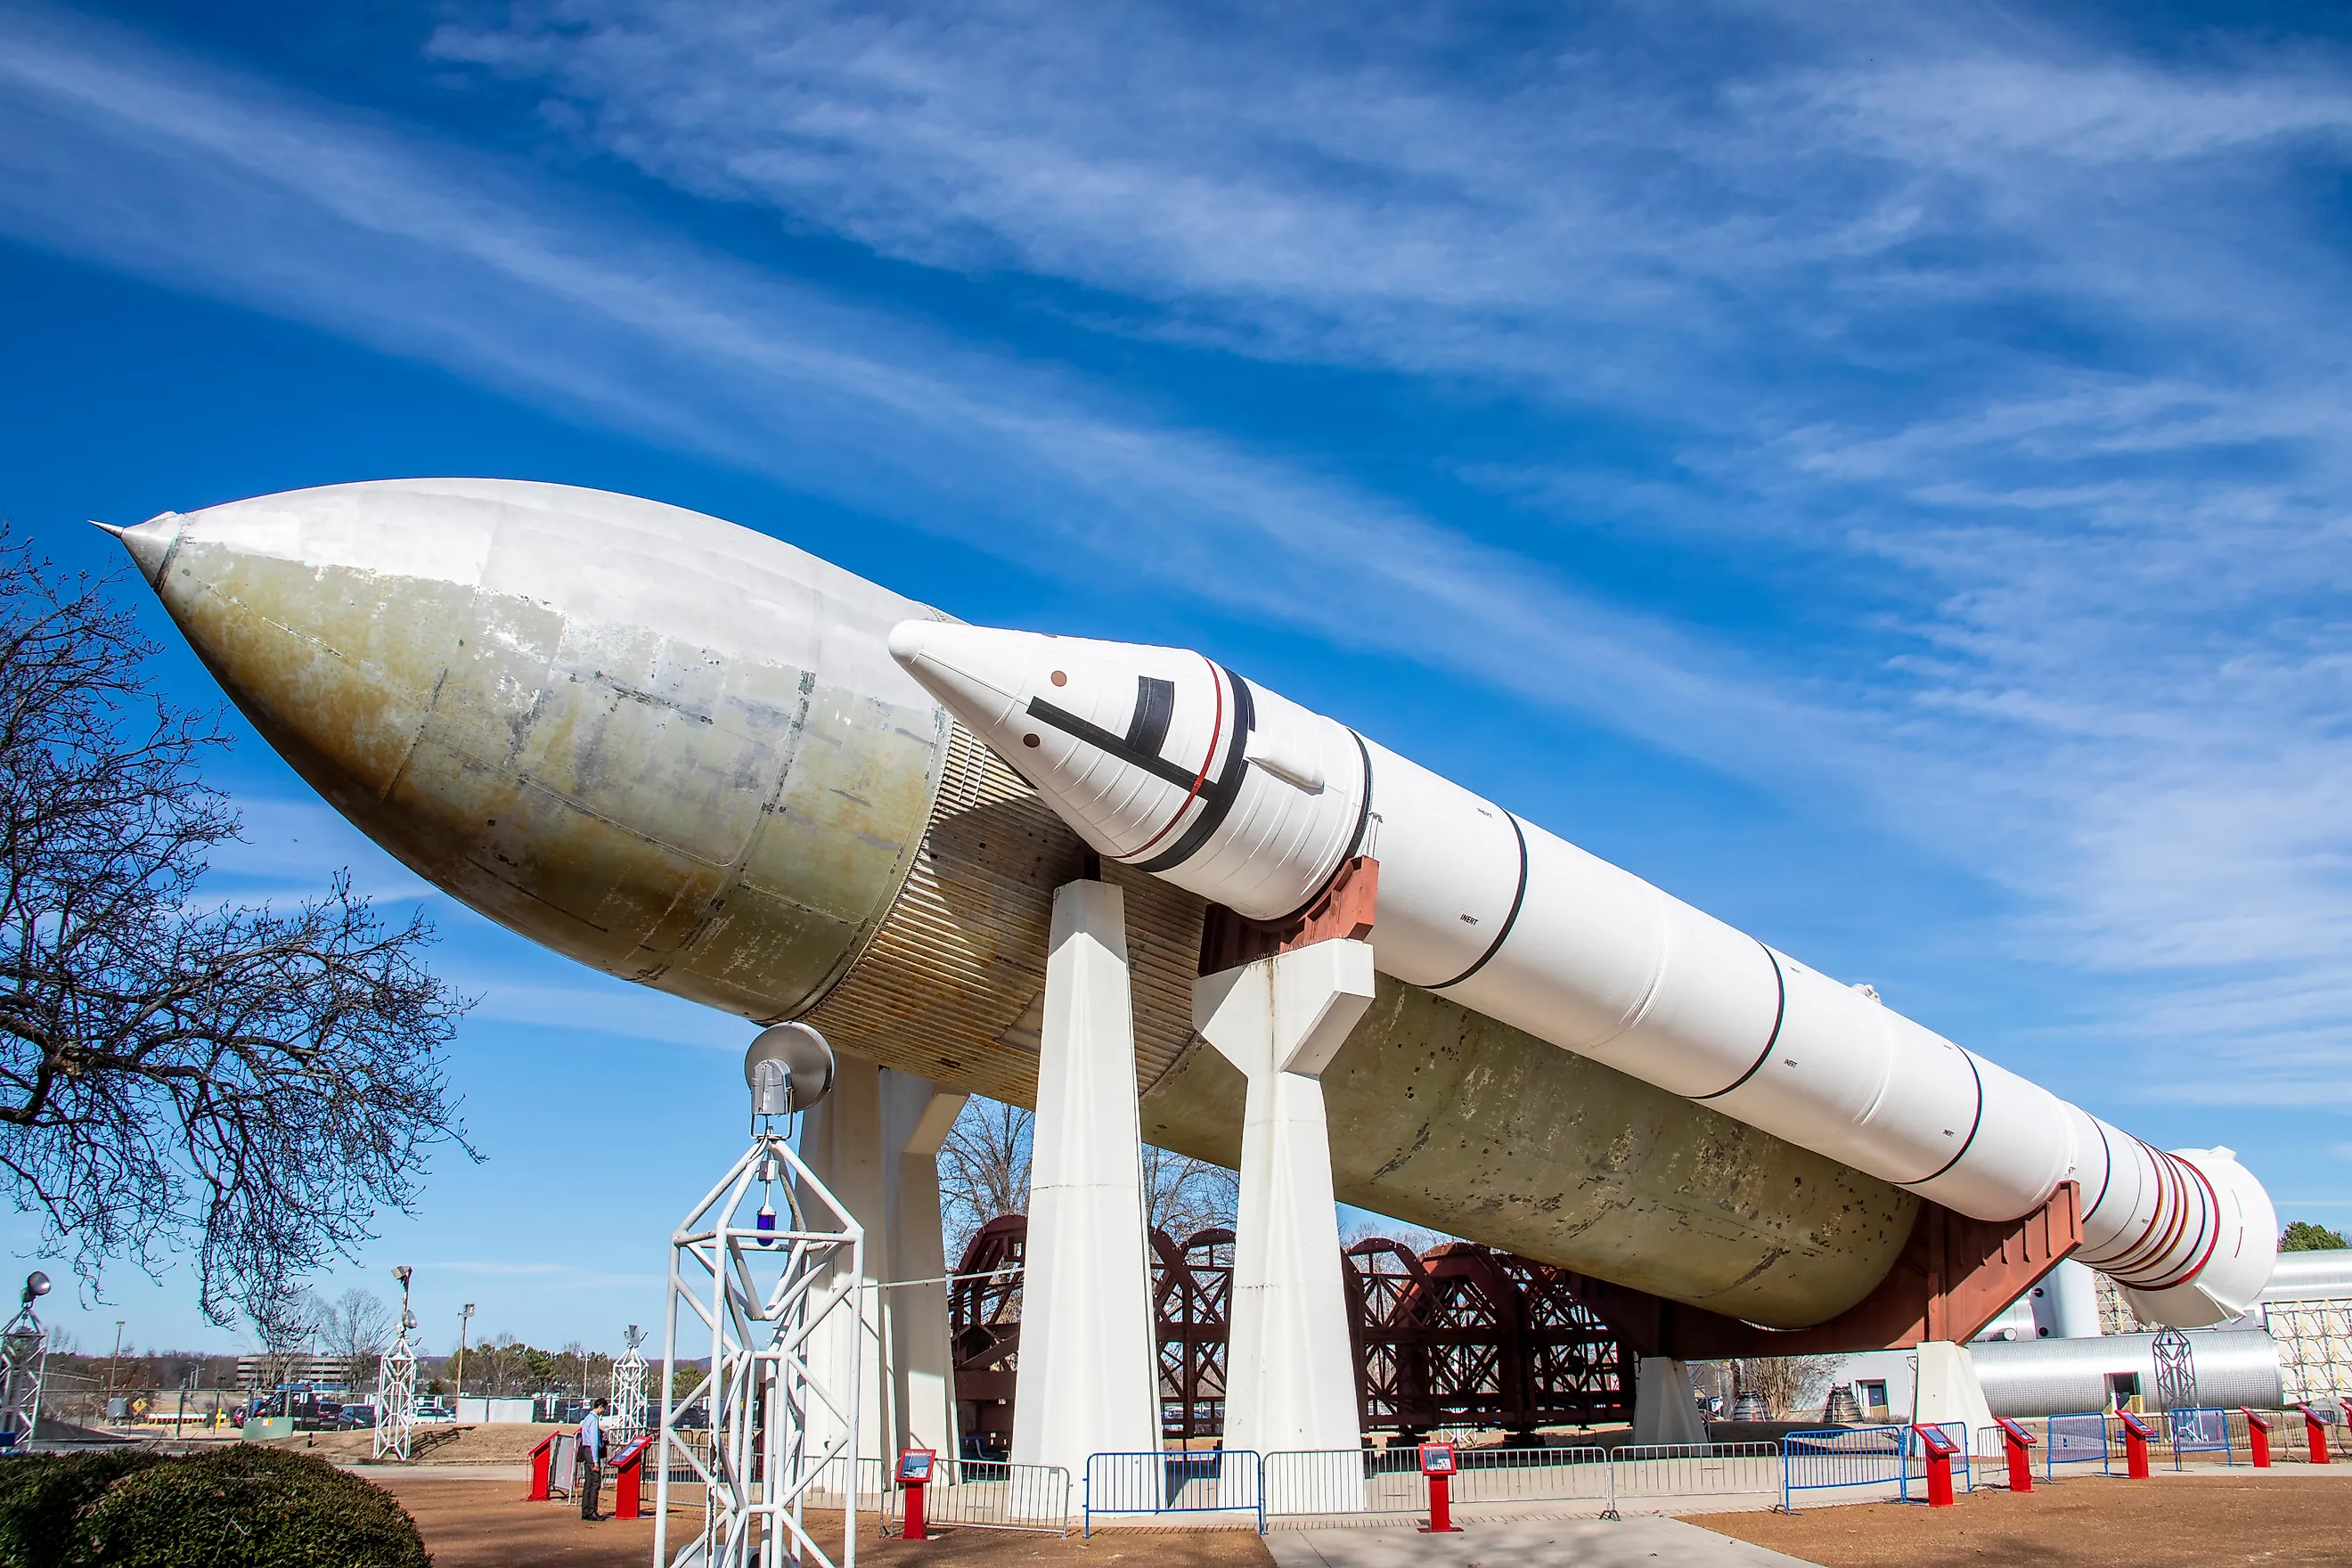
2077 1440
1212 1480
1841 1457
2195 1431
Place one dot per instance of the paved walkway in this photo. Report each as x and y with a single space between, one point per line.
1644 1542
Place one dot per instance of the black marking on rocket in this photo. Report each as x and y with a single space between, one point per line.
1973 1127
1355 844
1217 796
1155 705
1123 747
1779 1012
1519 898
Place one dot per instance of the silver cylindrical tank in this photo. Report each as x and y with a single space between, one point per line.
678 751
2060 1377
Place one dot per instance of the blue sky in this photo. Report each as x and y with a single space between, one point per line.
1879 473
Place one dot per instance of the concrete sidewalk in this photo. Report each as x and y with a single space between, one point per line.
1643 1542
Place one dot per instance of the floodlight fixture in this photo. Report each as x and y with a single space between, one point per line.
788 1068
37 1284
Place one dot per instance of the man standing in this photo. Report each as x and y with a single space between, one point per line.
591 1460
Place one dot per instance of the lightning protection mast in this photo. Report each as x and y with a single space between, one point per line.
24 1357
766 1267
629 1387
395 1385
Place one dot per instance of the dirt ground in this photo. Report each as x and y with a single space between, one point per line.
499 1443
484 1524
2295 1516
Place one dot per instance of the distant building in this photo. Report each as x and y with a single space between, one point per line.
258 1372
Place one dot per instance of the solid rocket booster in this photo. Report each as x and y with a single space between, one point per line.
1164 760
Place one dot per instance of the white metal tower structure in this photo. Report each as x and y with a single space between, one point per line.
629 1387
24 1357
395 1385
761 1265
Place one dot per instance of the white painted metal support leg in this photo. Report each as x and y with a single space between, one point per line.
1292 1378
917 1116
1089 1376
1665 1407
842 1141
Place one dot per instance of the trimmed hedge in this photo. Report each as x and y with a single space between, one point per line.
41 1494
239 1506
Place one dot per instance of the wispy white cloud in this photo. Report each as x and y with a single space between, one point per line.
2007 364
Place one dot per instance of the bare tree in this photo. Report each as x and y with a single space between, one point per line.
1366 1228
1186 1195
252 1084
355 1329
285 1323
1789 1383
983 1168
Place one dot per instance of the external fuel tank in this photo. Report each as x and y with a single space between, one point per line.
680 752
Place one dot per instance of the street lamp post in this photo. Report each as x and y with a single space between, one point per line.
464 1317
113 1364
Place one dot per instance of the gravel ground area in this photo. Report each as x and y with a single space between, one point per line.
2298 1516
483 1524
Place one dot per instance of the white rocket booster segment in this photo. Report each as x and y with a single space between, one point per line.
1166 761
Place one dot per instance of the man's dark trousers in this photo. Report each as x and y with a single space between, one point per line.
586 1481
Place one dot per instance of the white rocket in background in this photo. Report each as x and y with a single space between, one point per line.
1165 760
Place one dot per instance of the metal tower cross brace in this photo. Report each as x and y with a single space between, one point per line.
629 1387
761 1284
24 1358
395 1386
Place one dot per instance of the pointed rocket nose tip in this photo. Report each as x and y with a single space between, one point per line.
909 639
972 669
150 543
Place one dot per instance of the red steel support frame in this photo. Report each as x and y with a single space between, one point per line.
1955 1275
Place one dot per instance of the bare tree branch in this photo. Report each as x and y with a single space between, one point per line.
251 1084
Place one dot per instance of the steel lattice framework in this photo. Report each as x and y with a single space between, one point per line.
1192 1292
1460 1336
629 1387
767 1288
24 1357
395 1386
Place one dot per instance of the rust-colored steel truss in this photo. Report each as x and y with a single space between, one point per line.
1464 1336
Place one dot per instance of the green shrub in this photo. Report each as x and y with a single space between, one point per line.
247 1506
41 1494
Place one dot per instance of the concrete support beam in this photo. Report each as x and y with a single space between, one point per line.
1089 1373
917 1116
1291 1379
1665 1407
1948 1389
842 1141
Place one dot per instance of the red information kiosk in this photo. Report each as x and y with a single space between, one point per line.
1937 1444
2020 1444
1437 1464
914 1475
2137 1435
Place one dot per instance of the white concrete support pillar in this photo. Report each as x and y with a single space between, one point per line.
1089 1373
1665 1407
1291 1377
917 1116
842 1140
1948 1389
2067 1303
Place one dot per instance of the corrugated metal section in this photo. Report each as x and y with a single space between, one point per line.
948 986
2311 1277
2057 1377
